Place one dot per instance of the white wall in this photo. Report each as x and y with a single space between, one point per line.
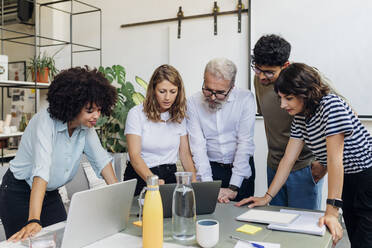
329 35
141 49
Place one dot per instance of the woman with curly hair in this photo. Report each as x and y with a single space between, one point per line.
332 131
50 152
156 131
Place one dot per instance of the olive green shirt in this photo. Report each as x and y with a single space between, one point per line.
277 127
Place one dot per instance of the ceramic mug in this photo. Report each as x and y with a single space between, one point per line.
207 232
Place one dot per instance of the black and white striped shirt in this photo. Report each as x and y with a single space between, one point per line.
334 116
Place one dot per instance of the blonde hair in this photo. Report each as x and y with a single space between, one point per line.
151 106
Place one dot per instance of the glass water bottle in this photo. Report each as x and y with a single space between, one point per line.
183 208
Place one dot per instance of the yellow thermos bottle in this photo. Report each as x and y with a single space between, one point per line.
152 229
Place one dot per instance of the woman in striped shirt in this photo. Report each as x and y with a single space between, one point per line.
338 140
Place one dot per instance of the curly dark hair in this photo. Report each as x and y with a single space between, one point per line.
302 81
74 88
271 50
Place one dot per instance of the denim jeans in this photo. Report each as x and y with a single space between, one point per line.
299 191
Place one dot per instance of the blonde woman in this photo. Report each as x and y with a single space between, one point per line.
156 131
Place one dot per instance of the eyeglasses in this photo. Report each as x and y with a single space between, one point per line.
258 71
220 95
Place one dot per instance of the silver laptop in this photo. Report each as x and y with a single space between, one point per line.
206 194
98 213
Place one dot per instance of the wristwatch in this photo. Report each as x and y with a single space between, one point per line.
233 187
335 202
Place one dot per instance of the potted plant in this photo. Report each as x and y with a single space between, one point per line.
111 128
45 68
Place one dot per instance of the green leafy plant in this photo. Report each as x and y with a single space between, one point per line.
112 127
43 61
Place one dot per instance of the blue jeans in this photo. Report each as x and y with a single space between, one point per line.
299 191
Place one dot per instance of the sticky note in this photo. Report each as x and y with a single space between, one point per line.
137 223
249 229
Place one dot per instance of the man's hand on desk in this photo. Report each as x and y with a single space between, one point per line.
226 195
255 201
27 231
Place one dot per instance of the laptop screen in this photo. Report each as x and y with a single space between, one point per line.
206 194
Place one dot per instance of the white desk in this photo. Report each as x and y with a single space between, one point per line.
225 214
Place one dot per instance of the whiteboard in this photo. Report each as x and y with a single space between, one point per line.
333 35
198 44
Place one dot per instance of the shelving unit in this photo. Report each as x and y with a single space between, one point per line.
23 84
5 136
36 40
7 153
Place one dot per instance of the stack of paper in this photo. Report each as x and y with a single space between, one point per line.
268 217
307 222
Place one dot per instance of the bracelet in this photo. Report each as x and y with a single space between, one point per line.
267 193
34 221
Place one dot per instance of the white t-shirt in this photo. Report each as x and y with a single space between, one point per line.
160 141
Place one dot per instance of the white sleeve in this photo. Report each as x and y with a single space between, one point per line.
245 146
42 136
198 144
183 127
133 124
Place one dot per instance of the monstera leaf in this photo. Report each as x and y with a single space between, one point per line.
111 129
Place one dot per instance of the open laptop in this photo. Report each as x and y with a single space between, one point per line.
98 213
206 194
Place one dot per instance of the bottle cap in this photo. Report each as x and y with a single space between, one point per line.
152 180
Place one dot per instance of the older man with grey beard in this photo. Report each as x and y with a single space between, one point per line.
220 124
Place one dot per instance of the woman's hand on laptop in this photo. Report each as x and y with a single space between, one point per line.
255 201
29 230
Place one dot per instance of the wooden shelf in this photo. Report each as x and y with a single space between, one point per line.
23 84
5 136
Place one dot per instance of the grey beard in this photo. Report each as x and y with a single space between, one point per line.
216 105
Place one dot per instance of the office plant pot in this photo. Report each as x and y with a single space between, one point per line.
41 75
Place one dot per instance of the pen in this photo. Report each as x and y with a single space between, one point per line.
249 242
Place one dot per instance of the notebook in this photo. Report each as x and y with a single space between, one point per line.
307 222
268 217
206 194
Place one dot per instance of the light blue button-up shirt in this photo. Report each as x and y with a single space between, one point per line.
47 151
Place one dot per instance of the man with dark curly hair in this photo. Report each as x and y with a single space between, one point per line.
50 151
303 189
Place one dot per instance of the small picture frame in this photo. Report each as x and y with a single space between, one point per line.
17 71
